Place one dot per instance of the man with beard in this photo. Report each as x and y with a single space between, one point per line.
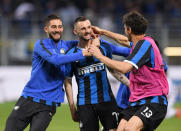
95 100
44 91
148 83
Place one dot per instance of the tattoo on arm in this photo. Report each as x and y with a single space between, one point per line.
120 77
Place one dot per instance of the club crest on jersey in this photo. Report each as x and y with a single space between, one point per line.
62 51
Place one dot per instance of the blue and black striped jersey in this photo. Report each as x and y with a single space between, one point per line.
142 54
91 77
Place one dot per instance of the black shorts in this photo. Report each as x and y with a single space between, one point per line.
28 112
151 114
106 112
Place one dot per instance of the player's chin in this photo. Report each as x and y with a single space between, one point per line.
57 37
87 38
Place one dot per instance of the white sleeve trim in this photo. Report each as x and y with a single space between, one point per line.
131 63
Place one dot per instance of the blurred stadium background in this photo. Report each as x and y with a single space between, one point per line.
21 25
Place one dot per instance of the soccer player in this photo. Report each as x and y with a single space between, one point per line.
95 98
44 91
148 83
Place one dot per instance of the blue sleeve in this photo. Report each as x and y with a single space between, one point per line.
141 54
48 53
71 43
118 50
68 72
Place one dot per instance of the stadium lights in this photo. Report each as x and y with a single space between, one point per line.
172 51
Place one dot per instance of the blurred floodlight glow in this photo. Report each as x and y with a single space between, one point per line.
172 51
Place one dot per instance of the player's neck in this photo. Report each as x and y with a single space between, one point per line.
136 38
84 44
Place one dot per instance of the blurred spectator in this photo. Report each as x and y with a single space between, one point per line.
68 13
106 22
6 8
23 15
150 7
176 8
22 11
90 11
50 7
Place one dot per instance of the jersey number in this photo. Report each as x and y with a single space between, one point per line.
147 112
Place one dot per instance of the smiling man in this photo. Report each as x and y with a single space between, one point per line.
44 91
95 101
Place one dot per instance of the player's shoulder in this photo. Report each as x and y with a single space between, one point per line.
144 42
105 46
71 50
69 43
104 43
43 42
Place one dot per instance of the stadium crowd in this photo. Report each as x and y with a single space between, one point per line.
104 12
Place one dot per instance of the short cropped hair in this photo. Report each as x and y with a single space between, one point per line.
51 17
79 19
136 21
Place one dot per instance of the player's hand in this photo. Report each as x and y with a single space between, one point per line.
94 50
75 116
94 35
97 30
96 41
86 53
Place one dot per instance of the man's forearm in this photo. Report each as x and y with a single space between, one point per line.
117 65
123 40
69 92
120 77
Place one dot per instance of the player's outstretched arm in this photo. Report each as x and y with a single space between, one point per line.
69 93
123 67
117 50
120 76
48 53
123 40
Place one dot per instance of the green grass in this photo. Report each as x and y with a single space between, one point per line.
62 120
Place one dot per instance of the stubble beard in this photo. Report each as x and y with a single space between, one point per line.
55 40
83 38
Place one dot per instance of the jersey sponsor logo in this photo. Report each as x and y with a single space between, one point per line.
147 112
91 68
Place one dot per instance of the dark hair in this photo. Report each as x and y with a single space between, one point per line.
80 18
51 17
136 22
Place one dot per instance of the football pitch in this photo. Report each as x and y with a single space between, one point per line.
62 120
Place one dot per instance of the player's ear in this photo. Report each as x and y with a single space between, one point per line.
75 31
46 29
129 30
